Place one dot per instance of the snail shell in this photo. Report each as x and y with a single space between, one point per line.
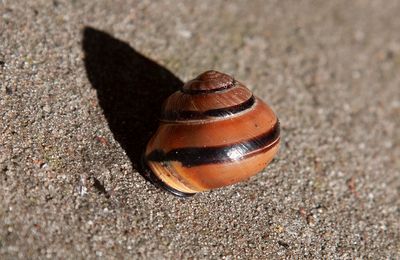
212 133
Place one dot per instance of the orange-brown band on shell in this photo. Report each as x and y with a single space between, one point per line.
214 131
194 156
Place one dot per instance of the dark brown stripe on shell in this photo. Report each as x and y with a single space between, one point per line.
197 115
208 91
195 156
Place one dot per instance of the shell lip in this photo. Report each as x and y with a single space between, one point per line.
151 177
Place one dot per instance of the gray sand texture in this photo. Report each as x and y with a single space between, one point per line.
81 84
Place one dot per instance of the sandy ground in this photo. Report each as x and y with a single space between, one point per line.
81 83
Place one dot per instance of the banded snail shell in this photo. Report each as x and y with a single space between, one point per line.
212 133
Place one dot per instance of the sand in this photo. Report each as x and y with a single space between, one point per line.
81 83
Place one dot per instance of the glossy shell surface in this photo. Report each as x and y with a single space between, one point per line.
212 133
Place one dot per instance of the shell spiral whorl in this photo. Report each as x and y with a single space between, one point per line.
212 133
209 81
